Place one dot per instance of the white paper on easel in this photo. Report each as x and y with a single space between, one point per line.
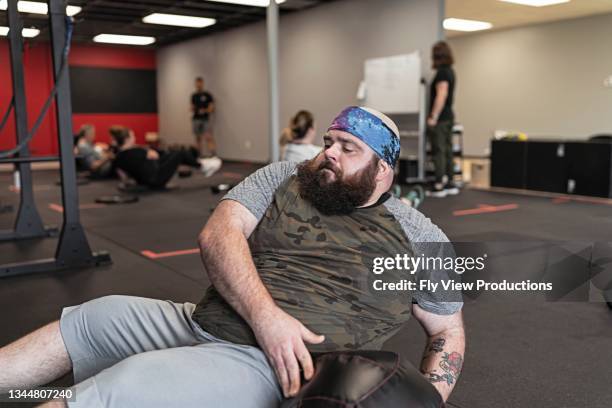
392 83
361 91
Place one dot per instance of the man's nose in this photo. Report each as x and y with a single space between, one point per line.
332 152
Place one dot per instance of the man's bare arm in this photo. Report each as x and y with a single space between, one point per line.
227 258
228 261
441 95
443 356
100 162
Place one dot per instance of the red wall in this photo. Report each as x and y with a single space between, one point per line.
39 82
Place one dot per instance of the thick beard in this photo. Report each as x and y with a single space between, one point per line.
341 196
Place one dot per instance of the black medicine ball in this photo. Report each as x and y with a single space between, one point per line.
365 379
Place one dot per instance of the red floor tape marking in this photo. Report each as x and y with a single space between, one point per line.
56 207
484 209
14 189
232 175
154 255
590 200
60 209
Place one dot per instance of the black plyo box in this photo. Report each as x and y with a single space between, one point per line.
575 167
508 164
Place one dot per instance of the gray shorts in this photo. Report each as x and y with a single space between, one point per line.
137 352
200 126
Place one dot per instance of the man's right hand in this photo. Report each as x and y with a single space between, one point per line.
283 338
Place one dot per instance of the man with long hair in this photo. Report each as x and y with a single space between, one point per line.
440 120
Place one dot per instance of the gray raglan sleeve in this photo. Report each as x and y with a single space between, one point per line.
428 240
256 192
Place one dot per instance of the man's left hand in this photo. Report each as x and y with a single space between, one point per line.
282 338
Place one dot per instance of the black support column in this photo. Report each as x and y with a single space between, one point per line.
28 223
73 248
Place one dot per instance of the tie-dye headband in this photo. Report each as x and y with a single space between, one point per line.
371 130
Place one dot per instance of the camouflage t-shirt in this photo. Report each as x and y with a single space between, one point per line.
318 268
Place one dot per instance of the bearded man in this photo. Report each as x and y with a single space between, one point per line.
289 252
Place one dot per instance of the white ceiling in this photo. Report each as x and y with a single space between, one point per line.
505 15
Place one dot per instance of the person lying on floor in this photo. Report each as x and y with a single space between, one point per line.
94 157
151 168
289 253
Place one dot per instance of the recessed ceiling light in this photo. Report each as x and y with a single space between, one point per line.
72 10
124 39
26 32
459 24
33 7
36 7
536 3
257 3
30 32
177 20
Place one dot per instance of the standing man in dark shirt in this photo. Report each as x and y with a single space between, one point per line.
440 120
202 106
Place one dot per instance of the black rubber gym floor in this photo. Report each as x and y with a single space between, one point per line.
520 354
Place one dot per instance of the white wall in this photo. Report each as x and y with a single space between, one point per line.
546 80
321 55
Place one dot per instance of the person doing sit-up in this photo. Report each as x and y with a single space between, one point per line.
289 252
152 168
94 157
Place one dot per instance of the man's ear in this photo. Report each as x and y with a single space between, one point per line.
384 169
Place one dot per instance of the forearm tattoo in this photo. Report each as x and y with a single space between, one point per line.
450 363
437 345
